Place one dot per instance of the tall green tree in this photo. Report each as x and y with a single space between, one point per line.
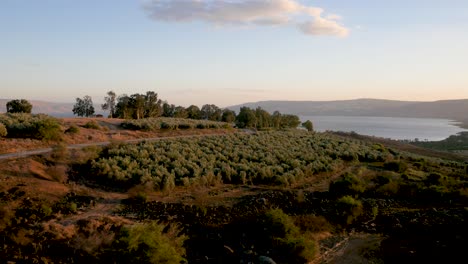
263 118
110 103
84 107
228 116
211 112
153 105
138 103
168 109
19 106
194 112
246 118
180 112
290 121
124 109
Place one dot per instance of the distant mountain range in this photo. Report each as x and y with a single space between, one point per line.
447 109
50 108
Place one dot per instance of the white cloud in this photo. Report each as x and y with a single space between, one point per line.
241 12
321 26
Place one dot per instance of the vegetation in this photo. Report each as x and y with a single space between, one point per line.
3 130
308 125
238 159
19 106
92 125
261 119
72 130
153 124
84 107
150 243
453 143
110 101
31 126
286 239
283 195
138 106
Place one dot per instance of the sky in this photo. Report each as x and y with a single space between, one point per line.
228 52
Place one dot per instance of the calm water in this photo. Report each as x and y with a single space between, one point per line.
388 127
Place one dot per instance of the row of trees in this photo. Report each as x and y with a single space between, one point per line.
138 106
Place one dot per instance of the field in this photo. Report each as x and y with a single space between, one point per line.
290 196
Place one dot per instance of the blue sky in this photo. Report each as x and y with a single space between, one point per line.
58 50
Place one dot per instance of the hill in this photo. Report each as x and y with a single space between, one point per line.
50 108
450 109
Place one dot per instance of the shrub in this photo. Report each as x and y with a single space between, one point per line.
396 166
348 184
32 126
435 179
312 223
3 130
72 130
150 243
92 125
286 239
348 209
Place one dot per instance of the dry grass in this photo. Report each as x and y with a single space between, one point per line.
110 130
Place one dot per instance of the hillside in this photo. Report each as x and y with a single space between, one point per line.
282 196
450 109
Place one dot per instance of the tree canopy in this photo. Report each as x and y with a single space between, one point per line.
110 103
19 106
84 107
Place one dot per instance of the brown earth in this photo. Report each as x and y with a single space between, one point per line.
110 130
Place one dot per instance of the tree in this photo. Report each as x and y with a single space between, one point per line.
193 112
180 112
276 119
211 112
308 125
84 107
263 118
123 109
109 103
168 109
19 106
228 116
290 121
138 103
153 106
246 118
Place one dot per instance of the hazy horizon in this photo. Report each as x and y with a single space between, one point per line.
233 52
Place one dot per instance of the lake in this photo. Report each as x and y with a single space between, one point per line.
432 129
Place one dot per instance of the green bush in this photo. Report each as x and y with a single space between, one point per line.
39 126
348 184
287 241
72 130
92 125
150 243
3 130
348 209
